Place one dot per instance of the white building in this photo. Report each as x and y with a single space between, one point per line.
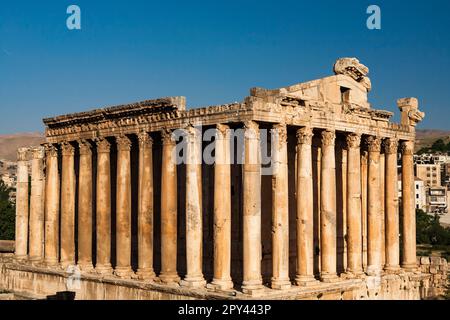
420 193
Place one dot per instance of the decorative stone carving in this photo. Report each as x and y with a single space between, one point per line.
391 146
85 147
305 135
407 147
123 143
50 150
145 139
328 138
67 149
373 144
353 68
353 140
103 145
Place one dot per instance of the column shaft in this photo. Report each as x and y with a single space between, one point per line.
305 209
194 234
52 189
280 209
252 280
168 210
85 207
408 208
145 208
392 214
123 208
68 205
328 208
103 207
374 227
222 210
354 215
22 200
37 205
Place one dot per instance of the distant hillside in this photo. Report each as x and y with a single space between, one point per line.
10 143
426 137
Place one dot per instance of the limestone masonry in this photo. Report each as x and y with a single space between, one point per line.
112 215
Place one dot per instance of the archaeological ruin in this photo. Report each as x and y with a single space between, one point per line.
113 214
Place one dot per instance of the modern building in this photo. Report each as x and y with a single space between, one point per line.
437 200
429 173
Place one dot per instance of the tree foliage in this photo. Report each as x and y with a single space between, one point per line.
7 214
430 231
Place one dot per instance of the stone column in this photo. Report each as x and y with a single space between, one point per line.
222 210
194 235
392 216
305 209
374 227
383 206
21 241
145 208
280 209
52 189
408 208
123 209
364 166
103 207
168 210
252 280
37 205
68 205
328 208
85 207
354 218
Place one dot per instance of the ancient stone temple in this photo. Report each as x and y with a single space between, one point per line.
299 202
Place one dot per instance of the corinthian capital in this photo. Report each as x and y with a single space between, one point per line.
251 129
144 139
123 143
373 144
167 137
222 131
103 145
50 150
407 148
280 131
67 149
304 135
353 140
38 152
391 146
85 147
328 138
22 154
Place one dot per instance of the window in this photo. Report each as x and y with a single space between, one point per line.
417 196
428 168
345 95
417 187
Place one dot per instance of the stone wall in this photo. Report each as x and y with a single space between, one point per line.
437 268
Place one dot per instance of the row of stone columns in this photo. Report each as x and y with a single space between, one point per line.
59 245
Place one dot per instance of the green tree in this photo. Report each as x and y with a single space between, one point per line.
7 214
439 146
430 231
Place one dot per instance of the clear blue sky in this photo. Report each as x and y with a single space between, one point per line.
212 52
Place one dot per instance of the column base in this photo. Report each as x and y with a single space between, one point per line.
374 271
86 267
409 267
329 277
392 269
222 285
193 282
146 274
65 264
51 264
279 284
357 274
123 272
35 259
306 281
252 287
21 258
103 269
169 278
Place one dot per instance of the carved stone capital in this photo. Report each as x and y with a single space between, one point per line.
373 144
391 146
123 143
85 147
328 138
280 131
167 137
407 148
353 140
22 154
304 135
103 145
251 130
67 149
38 152
222 131
144 139
51 150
